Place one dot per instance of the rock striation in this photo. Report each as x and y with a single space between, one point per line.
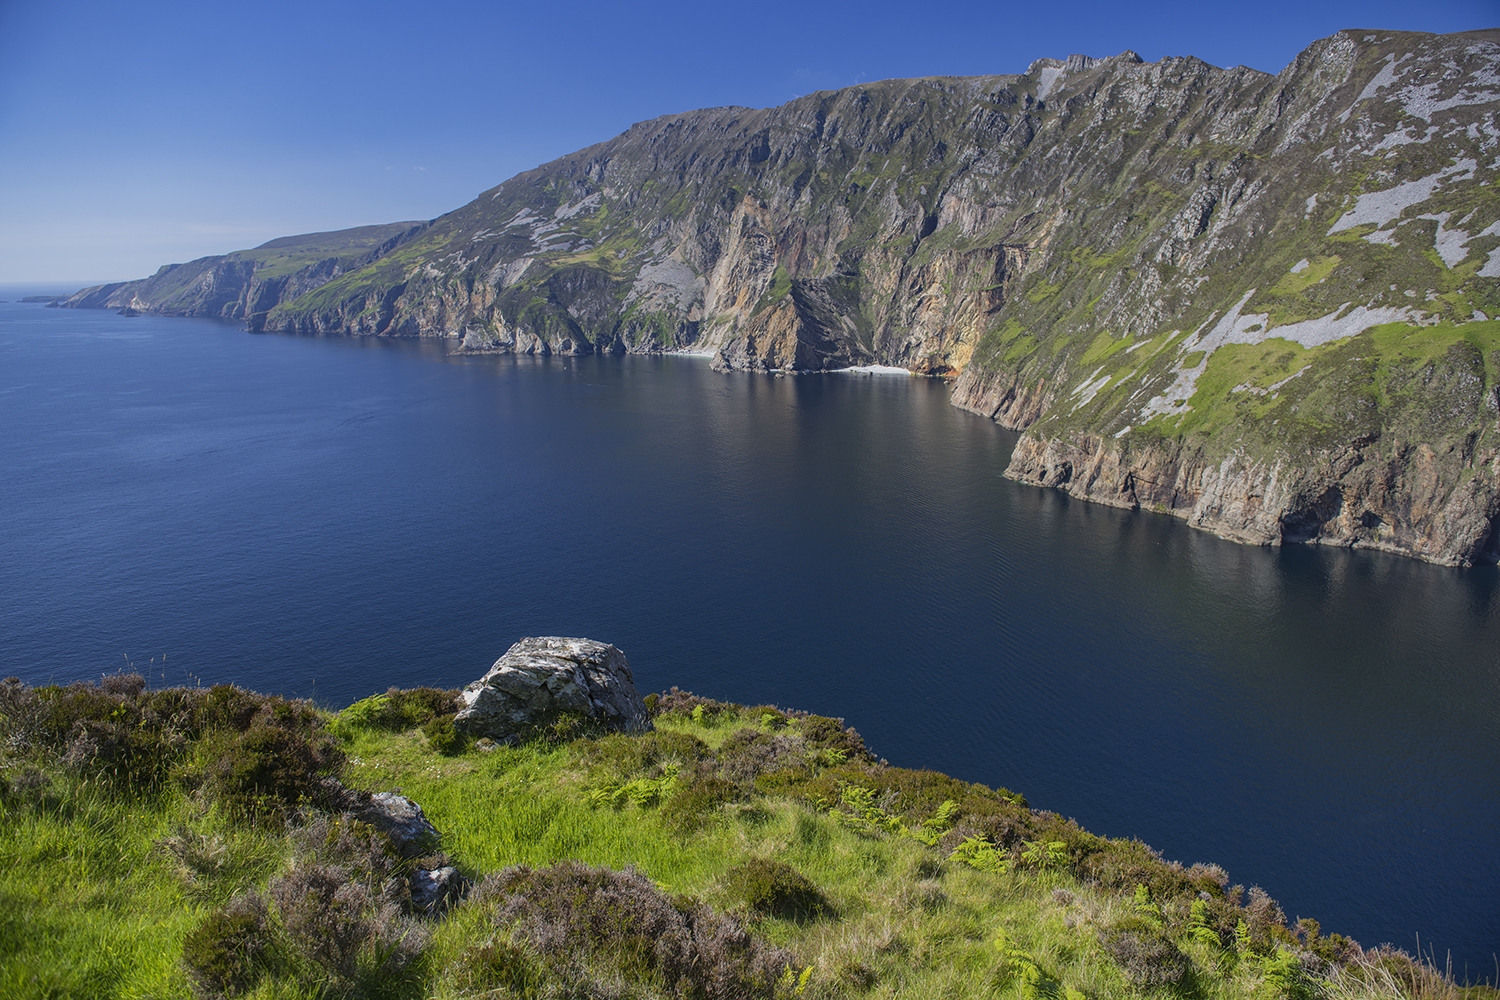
1266 303
539 680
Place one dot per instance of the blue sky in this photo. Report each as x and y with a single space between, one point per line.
133 135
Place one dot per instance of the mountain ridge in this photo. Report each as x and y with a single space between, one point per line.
1263 303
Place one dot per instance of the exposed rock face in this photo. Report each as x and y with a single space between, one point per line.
539 679
1390 498
1156 268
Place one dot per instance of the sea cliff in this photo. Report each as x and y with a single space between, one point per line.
1264 303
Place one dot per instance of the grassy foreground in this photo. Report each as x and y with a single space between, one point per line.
198 842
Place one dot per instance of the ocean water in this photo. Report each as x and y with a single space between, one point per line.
325 517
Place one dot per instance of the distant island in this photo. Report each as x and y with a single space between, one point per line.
1268 305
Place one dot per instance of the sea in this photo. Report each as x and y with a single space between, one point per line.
326 517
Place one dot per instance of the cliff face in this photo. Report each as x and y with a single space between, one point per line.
1263 303
247 284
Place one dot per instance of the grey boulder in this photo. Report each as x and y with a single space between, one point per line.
435 891
539 679
403 823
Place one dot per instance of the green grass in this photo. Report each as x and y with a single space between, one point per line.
102 882
89 906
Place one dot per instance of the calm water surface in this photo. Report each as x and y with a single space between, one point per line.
326 517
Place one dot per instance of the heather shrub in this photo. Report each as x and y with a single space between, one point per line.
824 733
343 839
689 705
114 730
232 948
63 709
276 764
348 924
420 705
747 754
1265 918
1124 864
20 711
697 795
443 737
776 889
1005 831
621 920
1146 956
229 707
1332 948
326 916
334 920
1209 878
770 717
128 683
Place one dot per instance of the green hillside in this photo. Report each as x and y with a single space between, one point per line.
207 842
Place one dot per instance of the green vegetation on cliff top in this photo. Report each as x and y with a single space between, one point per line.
186 842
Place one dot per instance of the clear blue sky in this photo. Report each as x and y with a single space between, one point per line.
133 135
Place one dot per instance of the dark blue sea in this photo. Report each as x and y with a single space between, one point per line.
328 517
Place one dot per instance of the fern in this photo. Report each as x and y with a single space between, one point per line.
981 855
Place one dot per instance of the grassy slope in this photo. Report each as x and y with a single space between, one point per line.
100 884
290 254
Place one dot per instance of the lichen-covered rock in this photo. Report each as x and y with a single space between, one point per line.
436 890
540 680
402 821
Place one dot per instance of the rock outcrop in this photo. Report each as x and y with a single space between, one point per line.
540 680
402 821
1135 263
436 890
1393 498
432 885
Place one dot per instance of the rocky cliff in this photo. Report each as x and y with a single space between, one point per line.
1262 303
247 284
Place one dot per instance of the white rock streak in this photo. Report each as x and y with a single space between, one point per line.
1250 328
1380 207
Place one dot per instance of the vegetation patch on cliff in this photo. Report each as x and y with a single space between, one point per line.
207 842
